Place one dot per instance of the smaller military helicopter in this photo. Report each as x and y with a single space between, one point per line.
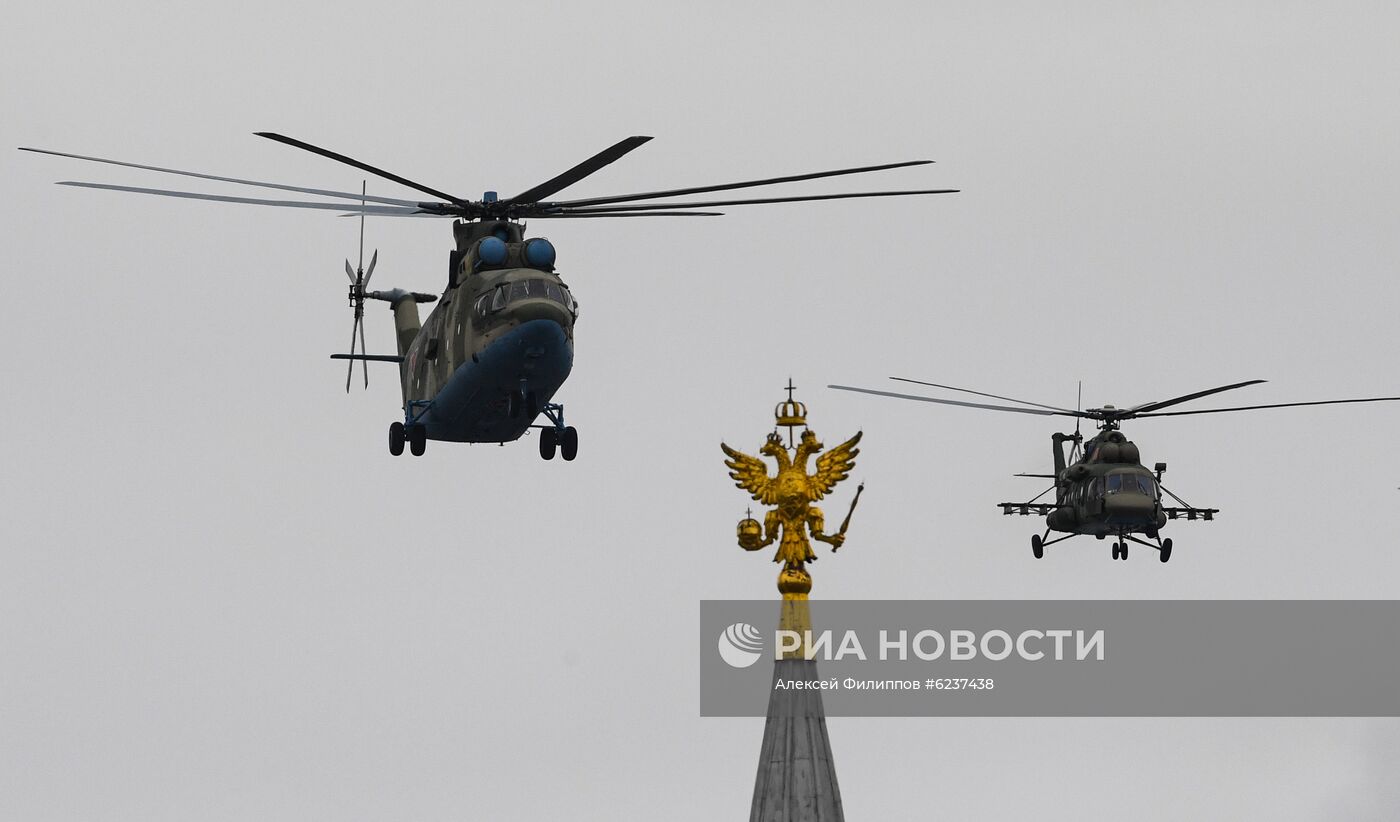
1102 489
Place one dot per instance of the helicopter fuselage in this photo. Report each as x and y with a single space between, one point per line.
1102 496
496 347
1107 492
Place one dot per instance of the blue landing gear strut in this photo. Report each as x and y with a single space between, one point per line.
557 435
411 430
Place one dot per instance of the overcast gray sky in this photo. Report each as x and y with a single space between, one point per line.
221 599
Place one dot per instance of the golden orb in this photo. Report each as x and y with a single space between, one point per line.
794 581
750 534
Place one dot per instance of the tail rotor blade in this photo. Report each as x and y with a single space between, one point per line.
369 272
364 364
349 272
350 366
362 225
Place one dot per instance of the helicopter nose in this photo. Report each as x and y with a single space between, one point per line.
1129 507
541 310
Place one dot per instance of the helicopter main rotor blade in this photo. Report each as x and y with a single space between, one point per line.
1013 410
578 172
553 215
761 200
221 198
1153 406
1271 405
981 394
350 161
391 211
676 192
299 189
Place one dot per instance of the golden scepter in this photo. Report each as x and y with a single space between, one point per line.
845 523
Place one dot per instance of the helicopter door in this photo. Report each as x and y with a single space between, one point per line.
1093 496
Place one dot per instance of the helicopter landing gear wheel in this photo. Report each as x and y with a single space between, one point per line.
1037 546
417 440
568 443
1166 549
1116 550
1123 551
549 441
396 439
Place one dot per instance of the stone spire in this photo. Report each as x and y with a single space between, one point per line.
796 774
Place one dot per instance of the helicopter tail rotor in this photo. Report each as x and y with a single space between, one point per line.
359 279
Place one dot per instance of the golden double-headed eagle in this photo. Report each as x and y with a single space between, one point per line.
793 491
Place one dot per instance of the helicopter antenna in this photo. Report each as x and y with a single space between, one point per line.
359 279
1078 406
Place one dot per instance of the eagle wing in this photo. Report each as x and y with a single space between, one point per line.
751 474
834 466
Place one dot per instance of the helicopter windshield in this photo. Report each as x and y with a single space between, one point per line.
1131 484
508 293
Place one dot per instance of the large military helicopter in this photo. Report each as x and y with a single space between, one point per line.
1102 489
499 343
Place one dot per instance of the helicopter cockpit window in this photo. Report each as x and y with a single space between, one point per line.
526 290
1130 484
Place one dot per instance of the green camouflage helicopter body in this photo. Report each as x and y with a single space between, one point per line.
1103 490
499 344
494 350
